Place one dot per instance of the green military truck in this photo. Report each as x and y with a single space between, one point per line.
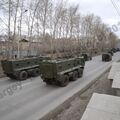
86 56
21 69
106 57
60 72
111 52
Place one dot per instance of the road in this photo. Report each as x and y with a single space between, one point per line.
32 99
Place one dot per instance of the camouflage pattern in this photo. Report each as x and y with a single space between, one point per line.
59 72
106 57
86 56
22 68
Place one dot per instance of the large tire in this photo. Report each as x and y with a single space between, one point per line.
80 72
64 81
74 76
23 75
36 72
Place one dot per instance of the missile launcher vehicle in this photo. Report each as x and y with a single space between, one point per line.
60 72
106 57
21 69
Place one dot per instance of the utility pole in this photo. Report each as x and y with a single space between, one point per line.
18 47
8 45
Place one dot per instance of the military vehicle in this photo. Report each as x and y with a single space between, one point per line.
59 72
111 52
86 56
114 50
118 49
21 69
106 57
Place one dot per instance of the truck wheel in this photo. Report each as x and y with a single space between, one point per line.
74 76
80 72
36 72
23 75
64 81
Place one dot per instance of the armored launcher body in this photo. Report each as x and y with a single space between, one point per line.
111 52
60 72
21 69
86 56
106 57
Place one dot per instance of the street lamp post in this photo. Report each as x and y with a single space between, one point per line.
19 34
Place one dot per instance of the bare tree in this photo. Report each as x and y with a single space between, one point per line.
54 25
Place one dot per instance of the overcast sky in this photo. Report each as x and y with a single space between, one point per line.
101 8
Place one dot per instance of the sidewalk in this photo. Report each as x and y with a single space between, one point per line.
77 107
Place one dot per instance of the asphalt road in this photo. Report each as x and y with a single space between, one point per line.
32 99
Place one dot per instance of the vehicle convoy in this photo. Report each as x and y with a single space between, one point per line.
60 72
114 50
21 69
86 56
106 57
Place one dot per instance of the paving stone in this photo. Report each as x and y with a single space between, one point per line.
116 81
114 69
103 107
93 114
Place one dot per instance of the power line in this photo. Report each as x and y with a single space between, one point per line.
3 4
3 22
119 4
115 6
